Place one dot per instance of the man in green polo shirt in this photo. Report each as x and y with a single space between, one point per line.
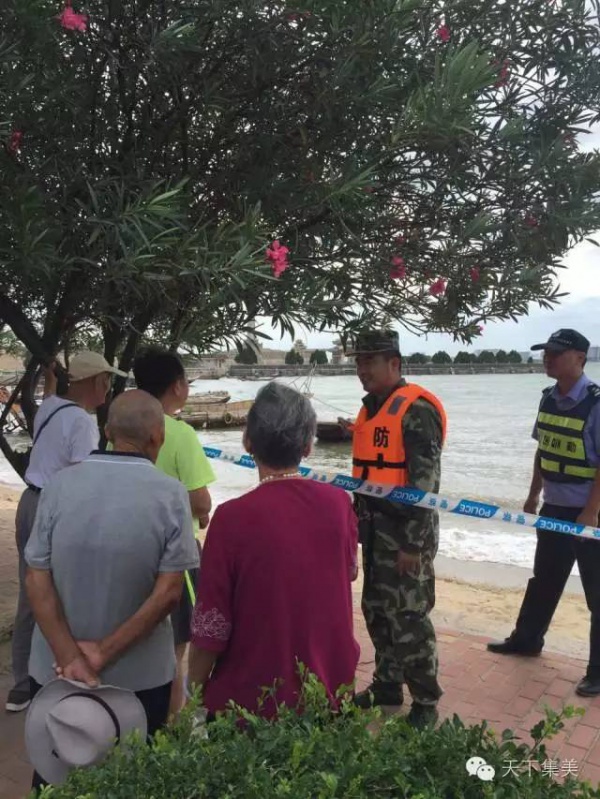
161 374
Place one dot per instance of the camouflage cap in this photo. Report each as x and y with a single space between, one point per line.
372 341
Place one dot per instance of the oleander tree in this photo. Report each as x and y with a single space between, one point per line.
173 170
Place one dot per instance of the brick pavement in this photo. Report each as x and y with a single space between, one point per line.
507 691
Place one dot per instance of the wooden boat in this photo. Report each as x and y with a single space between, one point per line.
227 414
208 398
333 432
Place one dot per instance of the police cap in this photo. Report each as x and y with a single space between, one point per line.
565 339
373 341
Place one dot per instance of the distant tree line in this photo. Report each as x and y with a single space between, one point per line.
485 356
247 355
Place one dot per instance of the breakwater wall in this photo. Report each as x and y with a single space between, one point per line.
261 372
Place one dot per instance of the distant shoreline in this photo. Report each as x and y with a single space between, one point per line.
262 372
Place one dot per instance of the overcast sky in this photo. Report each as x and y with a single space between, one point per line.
580 309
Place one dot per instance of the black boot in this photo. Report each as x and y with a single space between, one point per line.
379 693
512 646
421 716
588 686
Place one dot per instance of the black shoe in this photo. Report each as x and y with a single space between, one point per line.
17 700
422 716
510 646
379 693
588 686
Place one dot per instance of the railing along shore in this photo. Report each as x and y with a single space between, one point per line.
282 370
264 371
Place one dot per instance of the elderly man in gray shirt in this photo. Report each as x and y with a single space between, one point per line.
112 539
567 467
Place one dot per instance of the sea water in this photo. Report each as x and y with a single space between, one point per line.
488 456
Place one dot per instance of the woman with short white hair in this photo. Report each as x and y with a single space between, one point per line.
275 578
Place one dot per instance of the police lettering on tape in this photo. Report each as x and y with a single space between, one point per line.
424 499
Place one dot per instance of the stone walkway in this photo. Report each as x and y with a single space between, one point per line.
507 691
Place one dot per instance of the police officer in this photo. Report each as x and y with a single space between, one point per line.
397 440
566 464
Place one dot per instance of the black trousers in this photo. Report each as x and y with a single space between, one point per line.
555 555
155 702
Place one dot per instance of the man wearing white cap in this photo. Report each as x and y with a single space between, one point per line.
64 433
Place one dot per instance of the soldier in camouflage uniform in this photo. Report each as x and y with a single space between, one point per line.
399 542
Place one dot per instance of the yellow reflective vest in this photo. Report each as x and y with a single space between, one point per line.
561 443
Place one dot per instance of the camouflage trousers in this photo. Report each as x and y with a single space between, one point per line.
396 609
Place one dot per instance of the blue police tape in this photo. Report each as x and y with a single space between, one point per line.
425 499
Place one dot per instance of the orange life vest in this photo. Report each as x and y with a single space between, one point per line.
378 452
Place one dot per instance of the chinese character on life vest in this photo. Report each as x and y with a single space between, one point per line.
381 437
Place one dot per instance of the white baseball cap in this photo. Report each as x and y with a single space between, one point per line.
89 364
70 726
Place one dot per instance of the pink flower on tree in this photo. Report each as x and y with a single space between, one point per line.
438 287
400 240
480 329
443 33
277 254
71 20
504 73
398 270
530 220
475 274
15 141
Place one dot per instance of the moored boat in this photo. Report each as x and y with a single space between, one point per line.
227 414
208 398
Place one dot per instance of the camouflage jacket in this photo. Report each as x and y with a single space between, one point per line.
405 527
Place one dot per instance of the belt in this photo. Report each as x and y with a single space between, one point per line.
33 488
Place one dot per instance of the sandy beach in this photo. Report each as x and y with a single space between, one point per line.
478 598
9 498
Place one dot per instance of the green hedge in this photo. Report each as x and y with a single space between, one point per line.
318 755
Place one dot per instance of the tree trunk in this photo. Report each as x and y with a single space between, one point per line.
11 455
28 386
113 337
